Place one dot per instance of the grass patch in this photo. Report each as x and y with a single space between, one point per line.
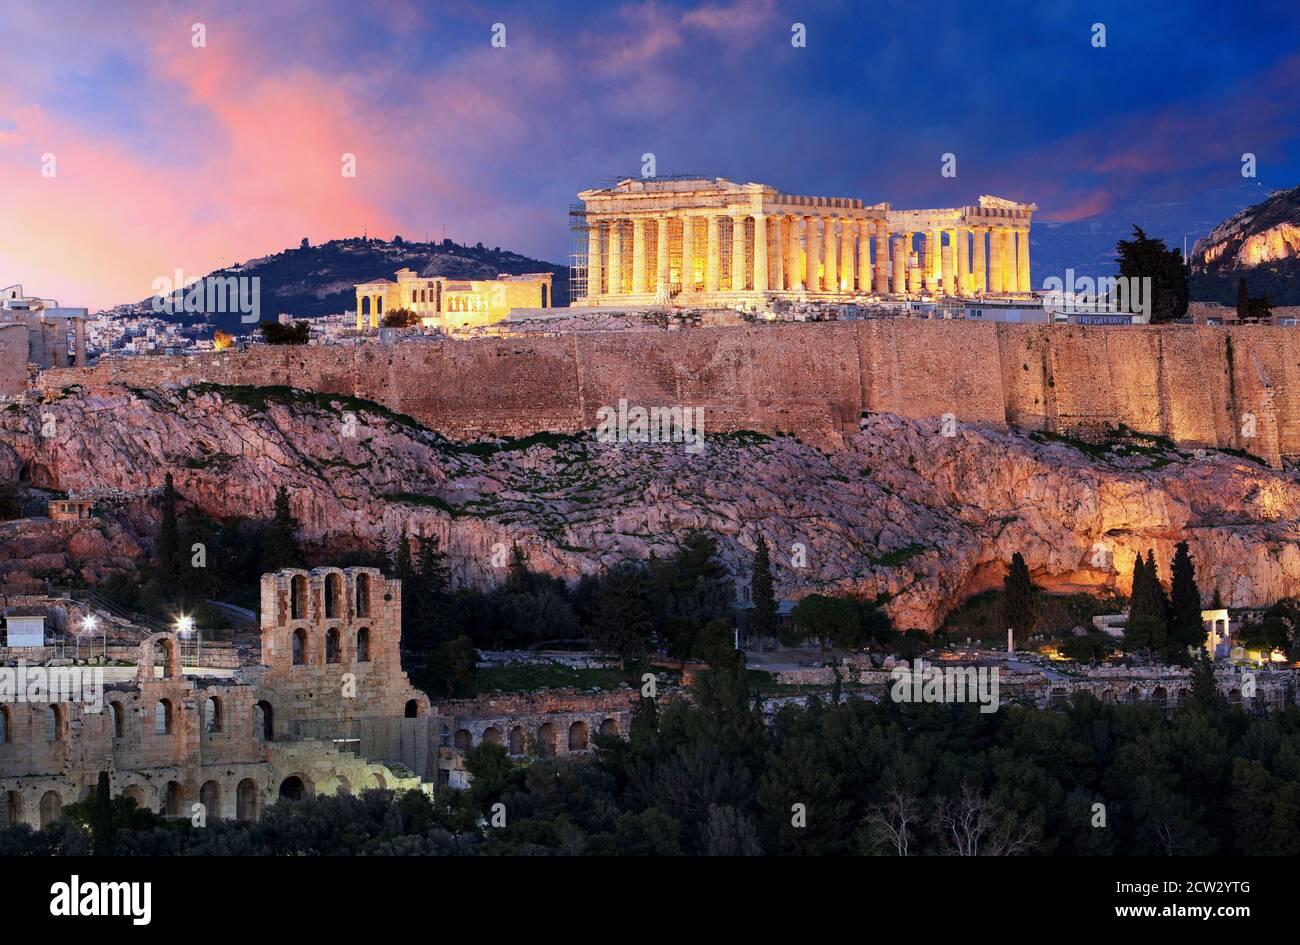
527 677
892 559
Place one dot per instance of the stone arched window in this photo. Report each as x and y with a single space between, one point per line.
116 717
299 647
578 736
212 714
463 740
246 800
412 709
609 727
53 723
363 645
210 798
162 717
6 725
332 645
363 595
173 799
263 721
333 596
492 736
13 809
51 808
546 740
298 597
517 740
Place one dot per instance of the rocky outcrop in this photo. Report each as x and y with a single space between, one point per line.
1261 234
900 509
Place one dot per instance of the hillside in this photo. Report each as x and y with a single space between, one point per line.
925 520
1261 243
310 281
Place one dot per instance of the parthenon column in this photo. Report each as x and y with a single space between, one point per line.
713 254
1008 260
688 254
979 267
813 281
947 266
793 278
594 257
615 258
760 252
963 260
638 256
864 256
882 257
1022 262
663 269
831 247
902 248
995 260
778 252
738 274
929 259
847 267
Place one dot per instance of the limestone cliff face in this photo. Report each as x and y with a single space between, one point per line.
1264 233
899 508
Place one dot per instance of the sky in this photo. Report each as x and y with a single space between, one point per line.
129 149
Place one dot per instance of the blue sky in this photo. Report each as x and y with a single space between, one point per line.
176 155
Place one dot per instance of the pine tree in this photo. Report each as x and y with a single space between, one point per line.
169 540
763 616
103 827
281 546
1018 596
1187 628
1243 299
402 569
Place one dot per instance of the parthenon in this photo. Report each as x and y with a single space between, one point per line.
712 241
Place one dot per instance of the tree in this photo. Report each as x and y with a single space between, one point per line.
1146 258
971 825
400 318
281 549
893 823
169 541
762 620
1243 299
623 622
833 620
1018 596
295 333
1186 627
103 827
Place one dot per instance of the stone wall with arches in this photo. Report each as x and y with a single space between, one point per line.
231 742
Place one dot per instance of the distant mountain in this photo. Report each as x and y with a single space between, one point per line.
1260 243
1088 246
311 281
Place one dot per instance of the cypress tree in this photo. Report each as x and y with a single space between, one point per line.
1159 599
103 828
1187 628
169 539
281 547
1243 299
1137 598
1018 596
763 618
